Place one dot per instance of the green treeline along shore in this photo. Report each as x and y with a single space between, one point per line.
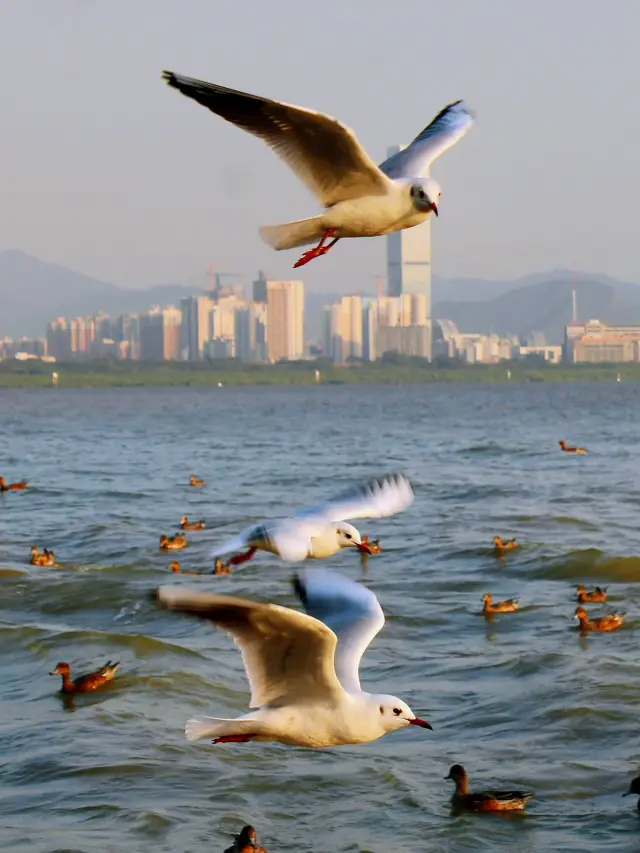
392 369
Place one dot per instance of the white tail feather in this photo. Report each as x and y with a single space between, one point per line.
199 727
291 234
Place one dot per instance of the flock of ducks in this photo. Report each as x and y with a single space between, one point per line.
609 622
463 799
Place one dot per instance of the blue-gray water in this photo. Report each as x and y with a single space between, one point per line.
522 702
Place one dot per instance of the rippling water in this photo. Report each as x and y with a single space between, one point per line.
522 701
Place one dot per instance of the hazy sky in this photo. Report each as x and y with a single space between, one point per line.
105 169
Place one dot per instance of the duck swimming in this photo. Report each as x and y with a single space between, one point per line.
246 841
610 622
85 683
597 594
221 568
177 568
185 524
43 558
507 606
484 801
13 487
196 482
634 788
173 543
502 545
569 449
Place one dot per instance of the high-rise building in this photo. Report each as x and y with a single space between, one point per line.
343 338
195 323
134 337
59 339
160 334
260 288
285 320
222 325
82 335
409 262
251 332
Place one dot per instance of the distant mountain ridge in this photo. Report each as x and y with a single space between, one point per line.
544 306
33 292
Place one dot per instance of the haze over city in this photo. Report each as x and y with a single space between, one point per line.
107 171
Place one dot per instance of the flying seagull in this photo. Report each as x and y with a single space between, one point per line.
302 668
360 198
321 531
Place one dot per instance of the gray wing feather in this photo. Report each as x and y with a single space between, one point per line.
349 609
441 133
376 498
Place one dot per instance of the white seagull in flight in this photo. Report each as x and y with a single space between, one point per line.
360 198
303 672
321 531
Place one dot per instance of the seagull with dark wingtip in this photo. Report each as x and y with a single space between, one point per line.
359 198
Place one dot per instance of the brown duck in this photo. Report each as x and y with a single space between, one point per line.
246 841
502 545
86 683
221 568
173 543
597 594
43 558
196 482
13 487
185 524
506 606
634 788
177 568
569 449
610 622
484 801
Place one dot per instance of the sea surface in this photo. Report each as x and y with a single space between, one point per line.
522 701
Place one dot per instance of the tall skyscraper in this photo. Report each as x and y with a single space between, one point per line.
160 334
285 320
343 337
260 288
195 325
59 339
251 332
409 260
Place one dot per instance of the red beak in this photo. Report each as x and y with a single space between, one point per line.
434 208
364 548
418 722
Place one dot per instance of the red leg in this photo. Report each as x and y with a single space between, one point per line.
242 558
233 739
318 250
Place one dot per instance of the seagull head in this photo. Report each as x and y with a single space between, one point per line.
396 714
348 536
425 194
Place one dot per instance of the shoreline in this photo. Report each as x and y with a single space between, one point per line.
99 374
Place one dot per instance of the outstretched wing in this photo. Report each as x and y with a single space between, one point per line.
442 133
324 154
288 656
377 498
351 610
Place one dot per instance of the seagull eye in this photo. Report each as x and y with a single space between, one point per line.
397 711
347 536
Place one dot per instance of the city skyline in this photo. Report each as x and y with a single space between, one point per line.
357 329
